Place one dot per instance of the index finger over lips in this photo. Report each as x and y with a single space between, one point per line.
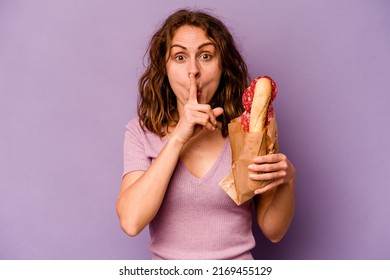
192 97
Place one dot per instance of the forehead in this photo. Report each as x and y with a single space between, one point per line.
189 35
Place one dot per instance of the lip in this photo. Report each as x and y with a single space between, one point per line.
200 96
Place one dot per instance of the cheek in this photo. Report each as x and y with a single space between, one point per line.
216 77
175 75
214 72
177 83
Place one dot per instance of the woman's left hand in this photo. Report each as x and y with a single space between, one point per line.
273 167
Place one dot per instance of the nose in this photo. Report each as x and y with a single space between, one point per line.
194 68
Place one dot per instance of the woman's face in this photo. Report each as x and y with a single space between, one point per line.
192 52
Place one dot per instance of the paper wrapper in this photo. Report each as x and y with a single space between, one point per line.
245 146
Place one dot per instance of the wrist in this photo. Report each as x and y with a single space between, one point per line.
176 143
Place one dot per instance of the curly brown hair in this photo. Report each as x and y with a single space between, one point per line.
157 102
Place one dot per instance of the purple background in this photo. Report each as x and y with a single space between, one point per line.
68 86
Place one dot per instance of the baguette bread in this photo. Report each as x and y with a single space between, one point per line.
260 103
257 99
251 135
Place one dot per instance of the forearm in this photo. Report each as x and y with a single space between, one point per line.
139 201
280 211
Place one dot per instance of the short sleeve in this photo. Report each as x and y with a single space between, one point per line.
134 153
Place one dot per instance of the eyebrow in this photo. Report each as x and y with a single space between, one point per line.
201 46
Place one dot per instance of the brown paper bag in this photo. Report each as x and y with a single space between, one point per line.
245 146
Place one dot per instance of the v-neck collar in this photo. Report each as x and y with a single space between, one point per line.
200 180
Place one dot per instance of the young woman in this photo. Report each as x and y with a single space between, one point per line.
177 150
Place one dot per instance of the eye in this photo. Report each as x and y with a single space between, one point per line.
205 56
179 57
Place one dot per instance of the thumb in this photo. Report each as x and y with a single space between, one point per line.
217 111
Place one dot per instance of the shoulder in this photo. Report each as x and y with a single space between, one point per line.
136 133
135 129
134 124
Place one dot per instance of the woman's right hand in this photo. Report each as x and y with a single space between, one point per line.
195 116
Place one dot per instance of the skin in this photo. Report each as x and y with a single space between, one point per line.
194 72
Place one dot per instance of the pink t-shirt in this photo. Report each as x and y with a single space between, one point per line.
197 219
